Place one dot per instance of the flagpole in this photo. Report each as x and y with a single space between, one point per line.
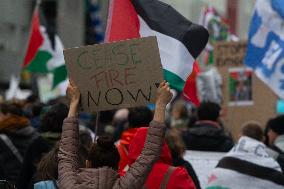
97 125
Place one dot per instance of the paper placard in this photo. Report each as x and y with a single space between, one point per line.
116 75
229 54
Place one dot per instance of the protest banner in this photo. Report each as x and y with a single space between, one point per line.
116 75
243 93
199 159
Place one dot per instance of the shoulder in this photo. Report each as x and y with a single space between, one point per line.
179 174
180 171
180 179
37 147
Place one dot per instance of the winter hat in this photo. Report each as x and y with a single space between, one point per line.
277 124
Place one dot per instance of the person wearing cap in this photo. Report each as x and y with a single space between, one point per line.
276 133
274 139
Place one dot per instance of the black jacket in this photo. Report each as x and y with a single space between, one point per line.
36 150
207 136
278 155
10 162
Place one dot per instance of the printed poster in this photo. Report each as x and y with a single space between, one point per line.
240 87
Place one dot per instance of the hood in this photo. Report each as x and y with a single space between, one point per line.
127 136
28 131
137 144
254 151
279 142
207 128
208 123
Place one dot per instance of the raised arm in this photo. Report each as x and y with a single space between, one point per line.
68 149
140 169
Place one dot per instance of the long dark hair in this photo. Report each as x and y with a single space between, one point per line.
52 120
47 168
104 153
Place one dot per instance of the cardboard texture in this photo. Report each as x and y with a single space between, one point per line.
116 75
229 53
229 56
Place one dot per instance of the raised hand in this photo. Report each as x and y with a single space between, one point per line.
163 97
164 94
73 93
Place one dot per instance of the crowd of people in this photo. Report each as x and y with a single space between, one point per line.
50 146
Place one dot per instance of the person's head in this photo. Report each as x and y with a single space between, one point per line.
137 144
36 109
33 110
121 115
275 128
208 111
85 143
103 153
9 109
139 117
253 130
175 143
86 139
32 98
53 118
47 168
179 110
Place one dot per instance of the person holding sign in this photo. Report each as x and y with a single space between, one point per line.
104 174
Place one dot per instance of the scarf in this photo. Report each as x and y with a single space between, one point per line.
247 165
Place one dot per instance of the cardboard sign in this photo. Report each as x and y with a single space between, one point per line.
243 93
116 75
229 53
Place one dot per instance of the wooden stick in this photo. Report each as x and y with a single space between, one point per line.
97 125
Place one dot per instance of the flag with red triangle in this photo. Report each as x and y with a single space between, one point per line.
180 41
41 56
190 88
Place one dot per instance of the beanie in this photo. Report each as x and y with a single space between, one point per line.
277 124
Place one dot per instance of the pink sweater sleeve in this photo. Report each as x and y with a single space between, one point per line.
68 154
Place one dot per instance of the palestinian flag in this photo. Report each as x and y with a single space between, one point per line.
41 55
190 87
247 165
218 29
180 41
